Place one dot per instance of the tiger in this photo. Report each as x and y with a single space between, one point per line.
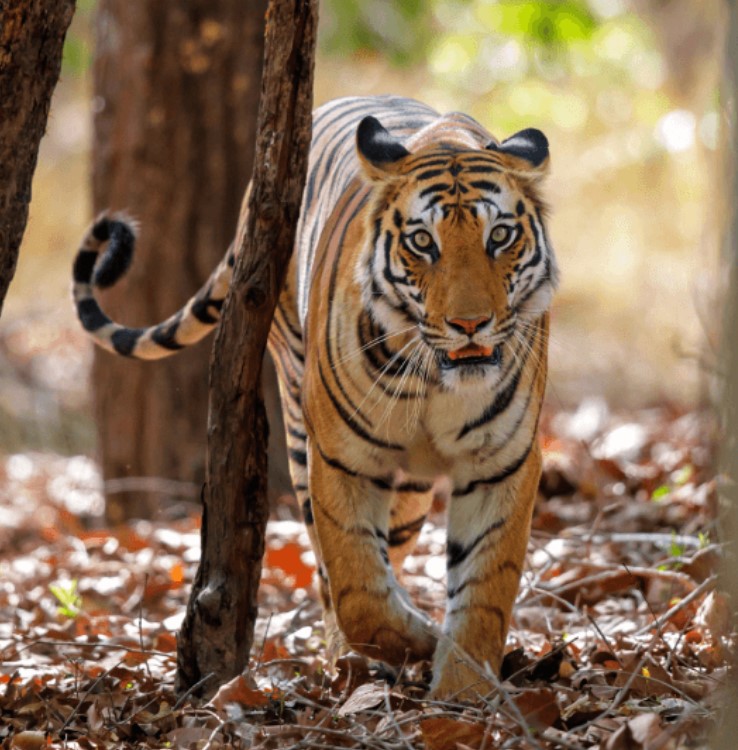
411 347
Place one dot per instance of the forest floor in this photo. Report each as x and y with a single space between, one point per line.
620 639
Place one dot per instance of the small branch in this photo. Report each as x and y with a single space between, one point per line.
706 585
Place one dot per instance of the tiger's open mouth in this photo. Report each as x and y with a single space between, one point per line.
472 354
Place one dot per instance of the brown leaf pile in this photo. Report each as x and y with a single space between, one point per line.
620 640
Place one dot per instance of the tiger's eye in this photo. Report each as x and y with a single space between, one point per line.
500 234
422 239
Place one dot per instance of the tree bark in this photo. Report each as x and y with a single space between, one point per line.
217 633
31 40
176 95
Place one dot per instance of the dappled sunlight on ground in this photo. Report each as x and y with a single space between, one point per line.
619 637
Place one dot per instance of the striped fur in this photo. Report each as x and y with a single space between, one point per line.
411 346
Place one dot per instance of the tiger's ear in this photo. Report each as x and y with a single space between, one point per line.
530 146
379 153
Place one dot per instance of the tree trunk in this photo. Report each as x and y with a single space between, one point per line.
176 95
217 633
31 40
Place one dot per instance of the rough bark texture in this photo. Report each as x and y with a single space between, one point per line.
176 96
217 633
31 40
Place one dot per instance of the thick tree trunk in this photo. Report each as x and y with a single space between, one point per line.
31 40
176 95
217 633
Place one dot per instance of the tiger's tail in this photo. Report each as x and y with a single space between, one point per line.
187 326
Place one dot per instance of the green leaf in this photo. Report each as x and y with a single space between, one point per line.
675 549
660 493
70 602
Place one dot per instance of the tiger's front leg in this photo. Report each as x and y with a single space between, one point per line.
374 613
488 530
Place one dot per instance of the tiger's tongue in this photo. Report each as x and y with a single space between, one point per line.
470 350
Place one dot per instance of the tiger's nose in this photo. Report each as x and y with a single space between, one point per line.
468 325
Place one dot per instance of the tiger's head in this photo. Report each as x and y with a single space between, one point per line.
456 249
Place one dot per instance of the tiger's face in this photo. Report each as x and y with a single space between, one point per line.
458 252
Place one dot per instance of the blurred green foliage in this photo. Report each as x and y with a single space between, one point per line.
529 53
77 55
406 32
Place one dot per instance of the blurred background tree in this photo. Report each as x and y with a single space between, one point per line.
628 92
176 90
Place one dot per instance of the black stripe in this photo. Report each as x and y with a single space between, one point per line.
298 434
439 187
84 263
400 535
381 482
536 259
486 185
202 305
388 273
482 169
299 457
348 419
165 333
90 315
508 471
429 174
411 486
125 340
456 553
502 400
101 229
117 258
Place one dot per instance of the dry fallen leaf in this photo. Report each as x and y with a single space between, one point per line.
539 707
29 740
445 734
645 729
714 614
365 696
238 690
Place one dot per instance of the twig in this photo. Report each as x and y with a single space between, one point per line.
140 622
264 640
620 695
560 739
658 539
391 714
522 723
213 735
191 689
96 682
609 572
661 621
101 644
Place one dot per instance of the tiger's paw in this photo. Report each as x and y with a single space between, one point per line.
457 677
395 632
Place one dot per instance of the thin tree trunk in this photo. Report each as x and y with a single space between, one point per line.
176 95
217 633
31 40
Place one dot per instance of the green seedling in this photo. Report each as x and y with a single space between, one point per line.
70 602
